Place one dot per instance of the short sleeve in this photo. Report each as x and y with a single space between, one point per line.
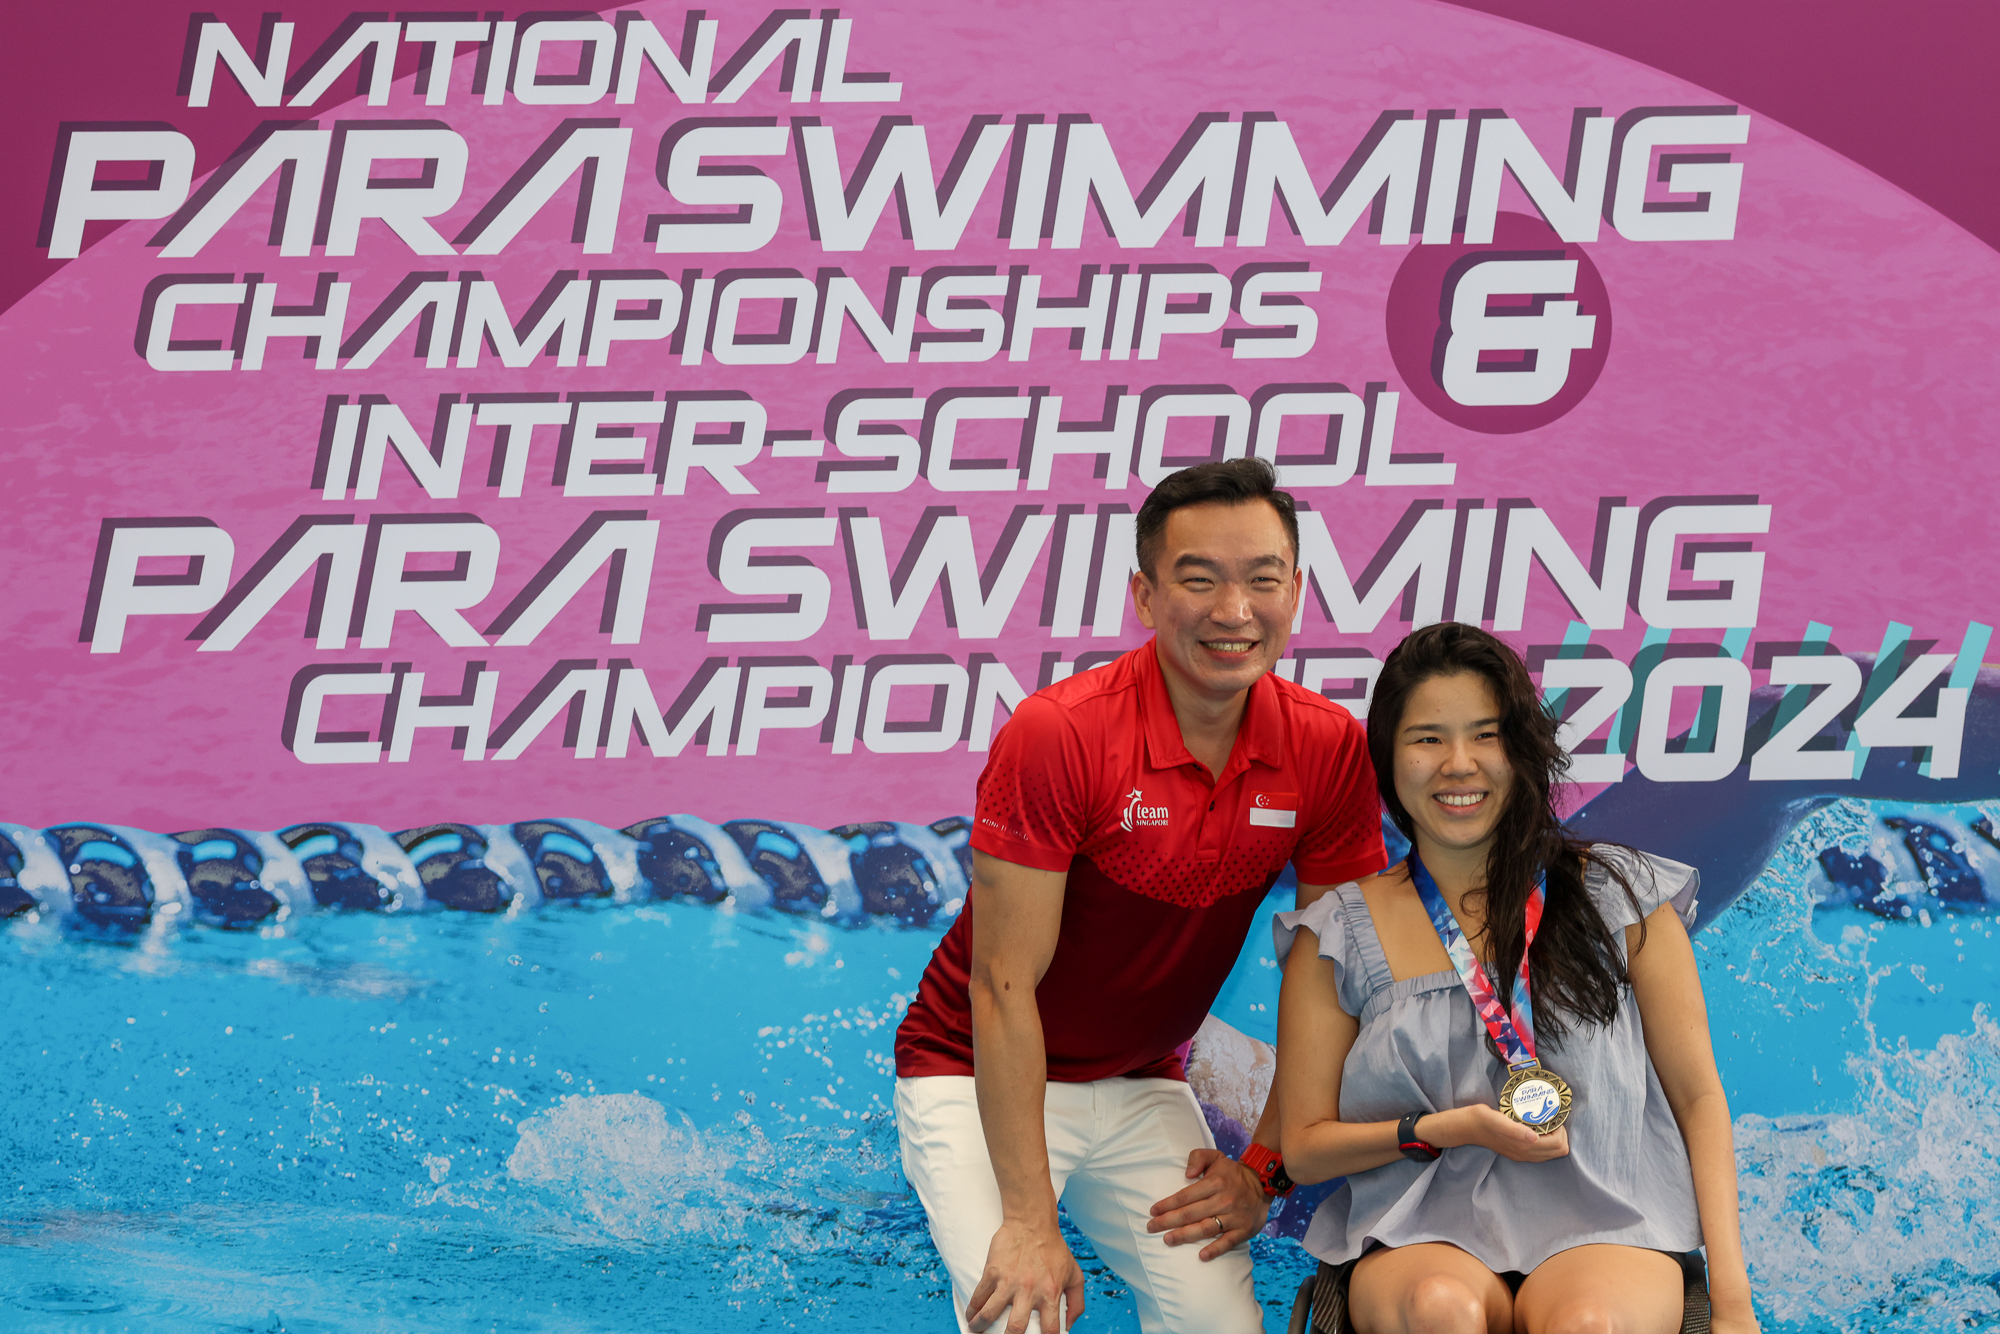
1654 881
1326 918
1344 839
1034 792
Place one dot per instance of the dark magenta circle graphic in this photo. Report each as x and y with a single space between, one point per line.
1454 355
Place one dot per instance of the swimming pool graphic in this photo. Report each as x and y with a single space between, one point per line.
652 1084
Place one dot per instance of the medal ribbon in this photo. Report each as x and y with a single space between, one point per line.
1513 1034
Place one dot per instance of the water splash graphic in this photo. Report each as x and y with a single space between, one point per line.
1868 1141
584 1111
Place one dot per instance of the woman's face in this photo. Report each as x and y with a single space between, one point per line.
1452 773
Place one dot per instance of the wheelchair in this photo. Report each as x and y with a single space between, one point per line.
1321 1307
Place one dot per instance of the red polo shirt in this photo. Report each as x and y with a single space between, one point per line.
1167 867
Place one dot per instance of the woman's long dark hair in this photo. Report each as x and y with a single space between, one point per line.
1576 971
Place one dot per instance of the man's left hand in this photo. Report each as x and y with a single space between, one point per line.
1224 1207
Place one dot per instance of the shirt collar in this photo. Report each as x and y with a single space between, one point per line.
1260 738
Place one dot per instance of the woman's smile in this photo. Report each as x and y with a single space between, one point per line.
1452 773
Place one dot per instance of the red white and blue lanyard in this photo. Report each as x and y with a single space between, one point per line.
1513 1034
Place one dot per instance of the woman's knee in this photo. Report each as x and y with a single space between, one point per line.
1585 1316
1444 1304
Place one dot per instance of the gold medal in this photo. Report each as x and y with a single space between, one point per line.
1533 1096
1537 1098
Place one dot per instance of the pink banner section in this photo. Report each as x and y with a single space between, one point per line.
739 412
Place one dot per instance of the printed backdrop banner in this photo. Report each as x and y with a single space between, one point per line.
740 411
466 461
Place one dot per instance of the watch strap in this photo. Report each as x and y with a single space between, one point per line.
1416 1150
1269 1167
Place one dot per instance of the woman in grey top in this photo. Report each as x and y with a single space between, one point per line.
1469 1220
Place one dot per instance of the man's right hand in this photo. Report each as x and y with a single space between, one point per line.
1490 1128
1029 1268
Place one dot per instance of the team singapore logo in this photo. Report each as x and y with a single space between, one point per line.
1138 814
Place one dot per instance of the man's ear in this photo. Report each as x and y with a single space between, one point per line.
1142 598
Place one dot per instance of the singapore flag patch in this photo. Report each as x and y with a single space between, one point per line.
1279 810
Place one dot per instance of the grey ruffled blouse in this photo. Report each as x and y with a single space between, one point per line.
1422 1047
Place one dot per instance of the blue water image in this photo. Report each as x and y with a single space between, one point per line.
1853 1026
580 1094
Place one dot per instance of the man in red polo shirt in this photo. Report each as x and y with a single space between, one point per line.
1130 821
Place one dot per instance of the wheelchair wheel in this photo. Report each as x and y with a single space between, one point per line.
1321 1306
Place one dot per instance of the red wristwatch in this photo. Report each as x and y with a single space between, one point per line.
1269 1167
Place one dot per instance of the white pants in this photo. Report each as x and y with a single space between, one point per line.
1115 1147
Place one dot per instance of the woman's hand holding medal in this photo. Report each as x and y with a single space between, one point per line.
1534 1096
1489 1128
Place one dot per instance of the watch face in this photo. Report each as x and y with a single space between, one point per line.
1269 1167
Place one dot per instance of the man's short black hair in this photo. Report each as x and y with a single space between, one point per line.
1228 482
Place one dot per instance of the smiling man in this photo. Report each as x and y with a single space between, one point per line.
1130 821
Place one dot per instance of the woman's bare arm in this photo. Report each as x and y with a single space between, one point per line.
1668 989
1266 1131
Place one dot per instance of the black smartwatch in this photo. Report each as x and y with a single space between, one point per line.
1414 1149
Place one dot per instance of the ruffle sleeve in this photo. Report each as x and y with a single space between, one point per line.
1654 881
1327 918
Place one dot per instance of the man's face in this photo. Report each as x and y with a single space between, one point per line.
1220 596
